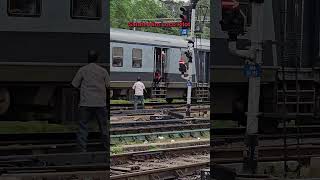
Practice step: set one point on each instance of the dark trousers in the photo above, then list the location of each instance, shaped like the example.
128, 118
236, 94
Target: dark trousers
138, 100
87, 114
156, 81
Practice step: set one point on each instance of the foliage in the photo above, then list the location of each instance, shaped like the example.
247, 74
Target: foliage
203, 10
152, 147
119, 102
124, 11
116, 150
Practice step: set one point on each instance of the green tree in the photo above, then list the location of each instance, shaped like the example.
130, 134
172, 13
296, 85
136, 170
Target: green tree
124, 11
203, 13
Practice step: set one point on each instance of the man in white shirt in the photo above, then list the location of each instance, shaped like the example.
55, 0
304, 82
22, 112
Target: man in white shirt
138, 93
93, 82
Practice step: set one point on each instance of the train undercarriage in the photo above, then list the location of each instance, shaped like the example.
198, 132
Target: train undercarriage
39, 102
31, 92
168, 91
294, 98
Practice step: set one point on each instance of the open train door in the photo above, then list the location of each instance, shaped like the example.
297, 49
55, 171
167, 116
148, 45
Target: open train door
159, 90
161, 59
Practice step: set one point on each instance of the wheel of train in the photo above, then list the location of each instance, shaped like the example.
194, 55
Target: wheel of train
4, 100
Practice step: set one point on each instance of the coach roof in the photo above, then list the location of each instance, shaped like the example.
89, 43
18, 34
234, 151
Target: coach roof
129, 36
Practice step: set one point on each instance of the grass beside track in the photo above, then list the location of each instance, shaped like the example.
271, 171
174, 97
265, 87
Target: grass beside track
121, 148
223, 124
17, 127
7, 127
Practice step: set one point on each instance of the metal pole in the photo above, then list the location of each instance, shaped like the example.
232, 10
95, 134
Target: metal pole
134, 28
190, 63
254, 82
254, 89
284, 91
298, 64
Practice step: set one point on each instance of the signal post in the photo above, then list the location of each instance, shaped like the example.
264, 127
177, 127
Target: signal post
234, 25
190, 51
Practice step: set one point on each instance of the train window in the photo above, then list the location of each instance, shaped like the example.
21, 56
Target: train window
24, 8
136, 58
117, 57
86, 9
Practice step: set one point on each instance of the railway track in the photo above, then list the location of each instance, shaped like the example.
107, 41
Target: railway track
126, 124
48, 145
116, 128
241, 130
193, 159
177, 171
51, 143
122, 169
156, 111
218, 133
149, 163
159, 128
220, 153
143, 131
67, 164
135, 127
152, 137
154, 105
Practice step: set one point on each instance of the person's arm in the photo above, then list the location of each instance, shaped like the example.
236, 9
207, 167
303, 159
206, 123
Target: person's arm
107, 85
76, 82
134, 86
144, 88
107, 80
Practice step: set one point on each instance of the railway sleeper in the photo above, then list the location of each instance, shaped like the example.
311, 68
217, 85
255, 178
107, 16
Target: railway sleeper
269, 122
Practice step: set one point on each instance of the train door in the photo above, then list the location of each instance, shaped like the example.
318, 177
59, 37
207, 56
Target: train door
160, 62
207, 67
201, 67
202, 75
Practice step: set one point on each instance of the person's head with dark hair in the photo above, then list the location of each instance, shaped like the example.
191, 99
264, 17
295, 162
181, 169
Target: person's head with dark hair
92, 56
138, 79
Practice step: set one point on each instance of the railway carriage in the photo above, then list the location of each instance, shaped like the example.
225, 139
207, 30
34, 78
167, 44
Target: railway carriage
43, 43
136, 53
291, 38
